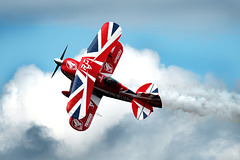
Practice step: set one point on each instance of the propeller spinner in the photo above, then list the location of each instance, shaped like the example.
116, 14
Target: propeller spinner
59, 61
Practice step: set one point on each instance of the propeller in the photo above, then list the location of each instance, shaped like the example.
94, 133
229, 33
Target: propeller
59, 61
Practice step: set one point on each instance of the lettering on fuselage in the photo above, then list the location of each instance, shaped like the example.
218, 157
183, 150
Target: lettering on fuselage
115, 95
118, 96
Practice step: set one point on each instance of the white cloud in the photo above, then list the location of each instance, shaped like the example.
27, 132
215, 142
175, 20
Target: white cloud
32, 97
237, 87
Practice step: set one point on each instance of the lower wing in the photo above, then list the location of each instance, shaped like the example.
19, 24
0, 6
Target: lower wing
85, 122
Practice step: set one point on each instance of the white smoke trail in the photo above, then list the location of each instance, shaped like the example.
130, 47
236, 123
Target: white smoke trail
180, 89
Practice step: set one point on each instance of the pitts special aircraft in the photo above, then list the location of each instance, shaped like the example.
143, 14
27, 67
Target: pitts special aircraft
91, 80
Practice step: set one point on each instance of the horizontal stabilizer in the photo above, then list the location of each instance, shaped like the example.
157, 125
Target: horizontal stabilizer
141, 109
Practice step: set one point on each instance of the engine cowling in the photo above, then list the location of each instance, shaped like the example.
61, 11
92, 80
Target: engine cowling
69, 67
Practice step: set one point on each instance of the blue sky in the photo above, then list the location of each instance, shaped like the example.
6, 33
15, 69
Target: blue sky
201, 49
24, 44
189, 47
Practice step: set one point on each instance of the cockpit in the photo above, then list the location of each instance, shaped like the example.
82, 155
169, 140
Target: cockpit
110, 82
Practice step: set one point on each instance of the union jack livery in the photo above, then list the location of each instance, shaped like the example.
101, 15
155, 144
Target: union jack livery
91, 80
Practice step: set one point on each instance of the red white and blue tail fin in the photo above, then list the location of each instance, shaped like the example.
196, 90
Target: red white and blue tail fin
148, 88
147, 98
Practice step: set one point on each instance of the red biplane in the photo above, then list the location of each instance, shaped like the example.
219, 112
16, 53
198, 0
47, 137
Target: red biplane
91, 80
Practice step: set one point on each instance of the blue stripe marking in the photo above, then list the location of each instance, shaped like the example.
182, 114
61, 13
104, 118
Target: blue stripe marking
76, 84
115, 27
144, 115
76, 113
94, 45
155, 91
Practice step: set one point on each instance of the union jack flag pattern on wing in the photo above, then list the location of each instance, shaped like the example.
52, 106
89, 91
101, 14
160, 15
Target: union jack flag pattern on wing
89, 67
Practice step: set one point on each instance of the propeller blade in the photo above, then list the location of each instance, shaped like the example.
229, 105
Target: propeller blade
55, 70
64, 52
59, 61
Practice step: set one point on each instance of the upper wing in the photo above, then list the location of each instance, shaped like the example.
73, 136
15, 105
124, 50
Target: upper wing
89, 67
